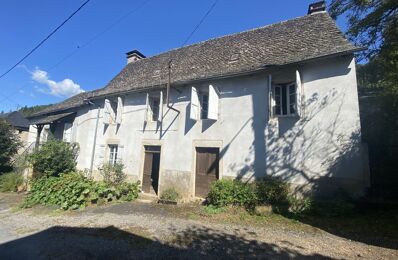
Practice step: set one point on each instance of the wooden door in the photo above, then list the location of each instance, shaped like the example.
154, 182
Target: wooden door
207, 169
146, 179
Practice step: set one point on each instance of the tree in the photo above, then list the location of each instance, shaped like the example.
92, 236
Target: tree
54, 157
371, 23
9, 144
374, 25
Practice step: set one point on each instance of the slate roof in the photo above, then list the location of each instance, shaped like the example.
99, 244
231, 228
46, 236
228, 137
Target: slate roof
50, 119
300, 39
16, 119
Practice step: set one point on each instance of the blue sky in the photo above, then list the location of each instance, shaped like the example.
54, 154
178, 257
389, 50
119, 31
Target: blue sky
47, 77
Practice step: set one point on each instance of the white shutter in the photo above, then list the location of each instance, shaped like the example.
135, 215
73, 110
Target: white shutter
299, 94
107, 112
213, 103
160, 107
146, 108
120, 150
195, 105
119, 113
270, 97
67, 132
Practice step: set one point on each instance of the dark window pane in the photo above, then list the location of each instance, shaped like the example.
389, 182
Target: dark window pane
155, 109
277, 98
204, 106
284, 100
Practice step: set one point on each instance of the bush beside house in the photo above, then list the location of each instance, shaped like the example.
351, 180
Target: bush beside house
56, 181
274, 193
54, 158
74, 190
9, 145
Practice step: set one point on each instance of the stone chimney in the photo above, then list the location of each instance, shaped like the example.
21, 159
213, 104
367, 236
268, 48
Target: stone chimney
134, 55
317, 7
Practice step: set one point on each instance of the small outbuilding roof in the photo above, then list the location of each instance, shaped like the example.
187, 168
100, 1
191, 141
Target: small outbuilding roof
16, 119
292, 41
50, 119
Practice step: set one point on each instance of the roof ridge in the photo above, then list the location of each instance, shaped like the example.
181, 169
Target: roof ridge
229, 35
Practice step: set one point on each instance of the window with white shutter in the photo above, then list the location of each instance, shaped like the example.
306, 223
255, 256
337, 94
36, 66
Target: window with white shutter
286, 99
119, 110
195, 104
204, 103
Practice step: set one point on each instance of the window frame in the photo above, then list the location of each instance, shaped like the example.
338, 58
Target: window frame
288, 102
113, 154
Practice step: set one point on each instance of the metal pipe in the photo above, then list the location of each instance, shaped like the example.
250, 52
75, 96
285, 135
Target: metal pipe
95, 138
168, 89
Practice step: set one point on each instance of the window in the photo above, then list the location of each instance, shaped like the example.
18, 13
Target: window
285, 100
204, 105
112, 154
155, 103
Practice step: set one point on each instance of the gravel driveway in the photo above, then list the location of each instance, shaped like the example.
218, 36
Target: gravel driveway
145, 230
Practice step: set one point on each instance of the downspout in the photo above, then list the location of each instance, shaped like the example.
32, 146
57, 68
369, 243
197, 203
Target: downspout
95, 138
168, 88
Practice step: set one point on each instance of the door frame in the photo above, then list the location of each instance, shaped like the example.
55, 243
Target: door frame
206, 144
142, 161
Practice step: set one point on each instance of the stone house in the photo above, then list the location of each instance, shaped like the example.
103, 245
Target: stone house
279, 100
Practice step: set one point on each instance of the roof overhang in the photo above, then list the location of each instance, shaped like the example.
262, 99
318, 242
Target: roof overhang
50, 119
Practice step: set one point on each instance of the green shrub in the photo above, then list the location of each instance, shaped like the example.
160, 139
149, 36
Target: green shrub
272, 191
10, 181
113, 173
73, 190
231, 192
299, 206
9, 145
170, 194
54, 158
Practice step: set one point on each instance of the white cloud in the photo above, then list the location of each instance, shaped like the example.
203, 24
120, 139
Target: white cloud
64, 88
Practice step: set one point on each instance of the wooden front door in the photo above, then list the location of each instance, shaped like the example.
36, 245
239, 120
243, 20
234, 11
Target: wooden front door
207, 169
150, 180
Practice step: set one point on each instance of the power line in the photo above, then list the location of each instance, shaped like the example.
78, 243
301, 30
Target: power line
200, 22
44, 40
94, 38
98, 35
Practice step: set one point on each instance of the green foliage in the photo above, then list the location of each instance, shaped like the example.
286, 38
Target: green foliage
272, 191
210, 209
9, 145
370, 22
73, 191
54, 158
231, 192
113, 173
28, 111
10, 181
170, 194
300, 206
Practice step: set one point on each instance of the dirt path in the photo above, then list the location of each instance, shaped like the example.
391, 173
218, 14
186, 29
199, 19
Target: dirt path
142, 230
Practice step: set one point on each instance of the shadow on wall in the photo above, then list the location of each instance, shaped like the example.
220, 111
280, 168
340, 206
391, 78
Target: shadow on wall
113, 243
315, 150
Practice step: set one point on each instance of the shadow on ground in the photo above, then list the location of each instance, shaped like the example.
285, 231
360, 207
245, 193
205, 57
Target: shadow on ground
369, 224
113, 243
